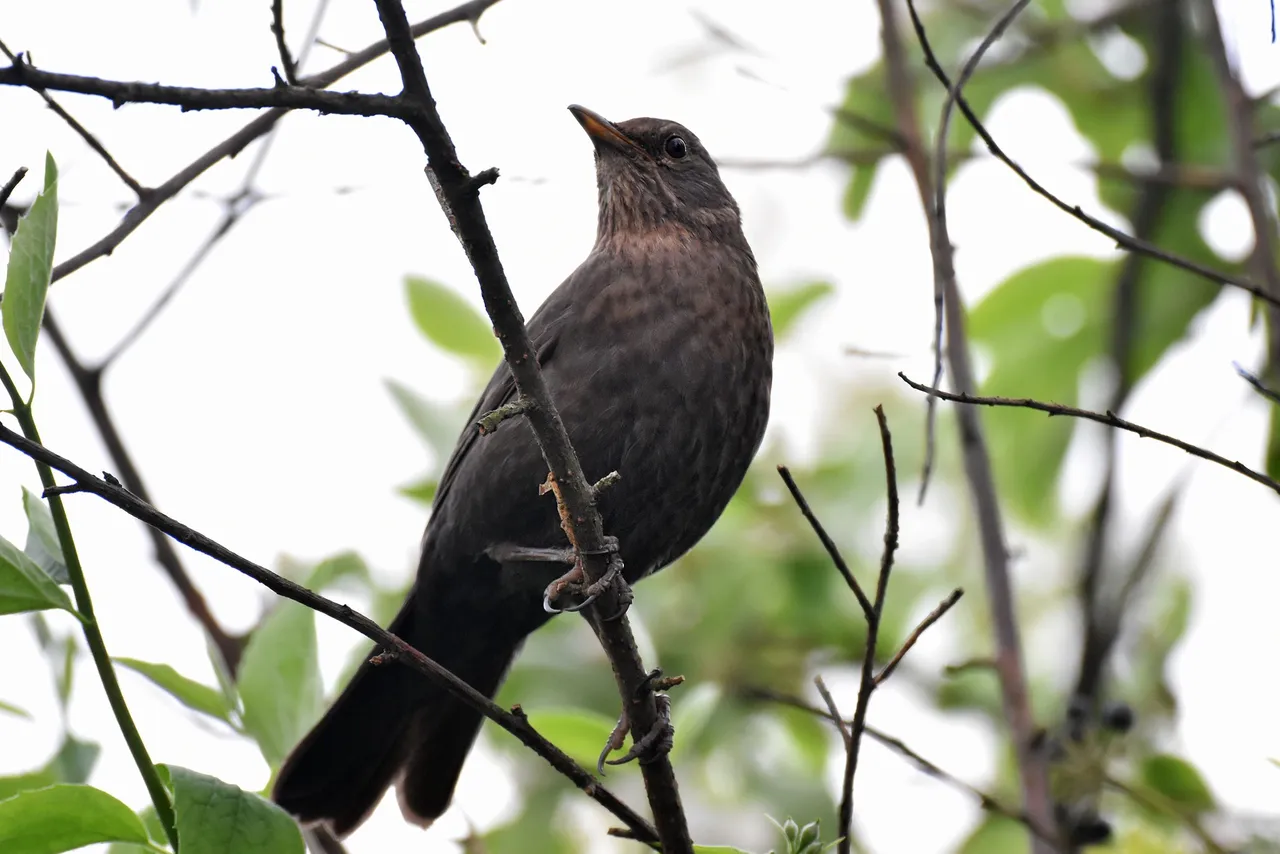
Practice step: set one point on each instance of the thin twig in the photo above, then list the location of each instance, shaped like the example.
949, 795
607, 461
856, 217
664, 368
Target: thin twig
932, 617
84, 133
1123, 240
456, 192
1250, 179
1259, 386
988, 802
1032, 768
234, 144
9, 186
867, 683
516, 724
831, 707
277, 29
827, 543
1110, 419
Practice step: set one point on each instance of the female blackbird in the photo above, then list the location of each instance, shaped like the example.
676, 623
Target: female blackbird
658, 351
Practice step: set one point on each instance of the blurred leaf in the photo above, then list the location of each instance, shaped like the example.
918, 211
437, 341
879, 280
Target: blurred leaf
214, 817
24, 586
996, 835
535, 828
1041, 325
189, 692
1177, 780
422, 490
65, 817
437, 425
279, 680
65, 675
341, 566
74, 761
1273, 443
449, 322
30, 270
786, 307
858, 191
14, 710
718, 849
578, 732
42, 538
692, 712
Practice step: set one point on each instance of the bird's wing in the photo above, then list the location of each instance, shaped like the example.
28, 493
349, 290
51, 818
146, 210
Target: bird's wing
544, 333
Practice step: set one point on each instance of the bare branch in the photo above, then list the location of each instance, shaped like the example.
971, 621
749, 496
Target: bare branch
513, 721
1108, 418
234, 144
12, 184
289, 68
976, 457
832, 550
455, 190
932, 617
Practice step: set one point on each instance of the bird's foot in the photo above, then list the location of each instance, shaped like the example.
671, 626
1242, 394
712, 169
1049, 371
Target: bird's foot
573, 583
654, 744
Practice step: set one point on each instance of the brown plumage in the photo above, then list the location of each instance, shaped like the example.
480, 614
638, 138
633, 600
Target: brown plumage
658, 351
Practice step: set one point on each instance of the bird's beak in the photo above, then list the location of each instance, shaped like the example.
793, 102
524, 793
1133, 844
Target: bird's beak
603, 133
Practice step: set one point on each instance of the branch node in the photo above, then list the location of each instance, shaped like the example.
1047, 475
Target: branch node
488, 423
481, 179
605, 482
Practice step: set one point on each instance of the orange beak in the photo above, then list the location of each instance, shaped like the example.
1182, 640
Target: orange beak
601, 130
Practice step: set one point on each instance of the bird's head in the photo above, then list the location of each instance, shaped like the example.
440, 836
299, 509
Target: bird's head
655, 176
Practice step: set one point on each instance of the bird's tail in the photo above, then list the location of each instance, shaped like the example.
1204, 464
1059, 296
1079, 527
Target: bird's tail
392, 725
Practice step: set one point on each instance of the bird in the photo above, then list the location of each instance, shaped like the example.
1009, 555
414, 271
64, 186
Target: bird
658, 352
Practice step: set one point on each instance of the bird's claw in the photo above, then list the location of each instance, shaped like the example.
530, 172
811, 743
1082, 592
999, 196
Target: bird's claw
572, 582
650, 747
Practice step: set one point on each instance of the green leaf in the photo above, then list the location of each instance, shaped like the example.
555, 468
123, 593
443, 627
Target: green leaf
422, 490
189, 692
331, 570
74, 761
24, 586
693, 714
451, 323
43, 546
14, 710
30, 270
1178, 780
10, 786
578, 732
437, 425
718, 849
858, 191
786, 307
996, 835
214, 817
65, 817
279, 680
1273, 443
151, 821
1041, 326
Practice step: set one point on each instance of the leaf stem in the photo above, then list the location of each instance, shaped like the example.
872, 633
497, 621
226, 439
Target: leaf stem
89, 624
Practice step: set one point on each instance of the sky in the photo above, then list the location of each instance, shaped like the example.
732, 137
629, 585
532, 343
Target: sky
256, 407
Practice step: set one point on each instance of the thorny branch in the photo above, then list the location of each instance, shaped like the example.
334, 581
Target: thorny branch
1032, 768
1110, 419
456, 190
513, 721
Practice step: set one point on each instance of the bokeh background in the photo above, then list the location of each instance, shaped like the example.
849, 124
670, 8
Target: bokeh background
299, 392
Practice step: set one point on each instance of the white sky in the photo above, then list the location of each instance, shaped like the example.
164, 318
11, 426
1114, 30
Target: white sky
244, 403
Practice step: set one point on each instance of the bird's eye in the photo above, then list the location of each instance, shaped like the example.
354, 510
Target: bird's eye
675, 147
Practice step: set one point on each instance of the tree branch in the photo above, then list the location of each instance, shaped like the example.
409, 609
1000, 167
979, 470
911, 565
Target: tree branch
976, 457
456, 191
1108, 418
513, 722
235, 143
